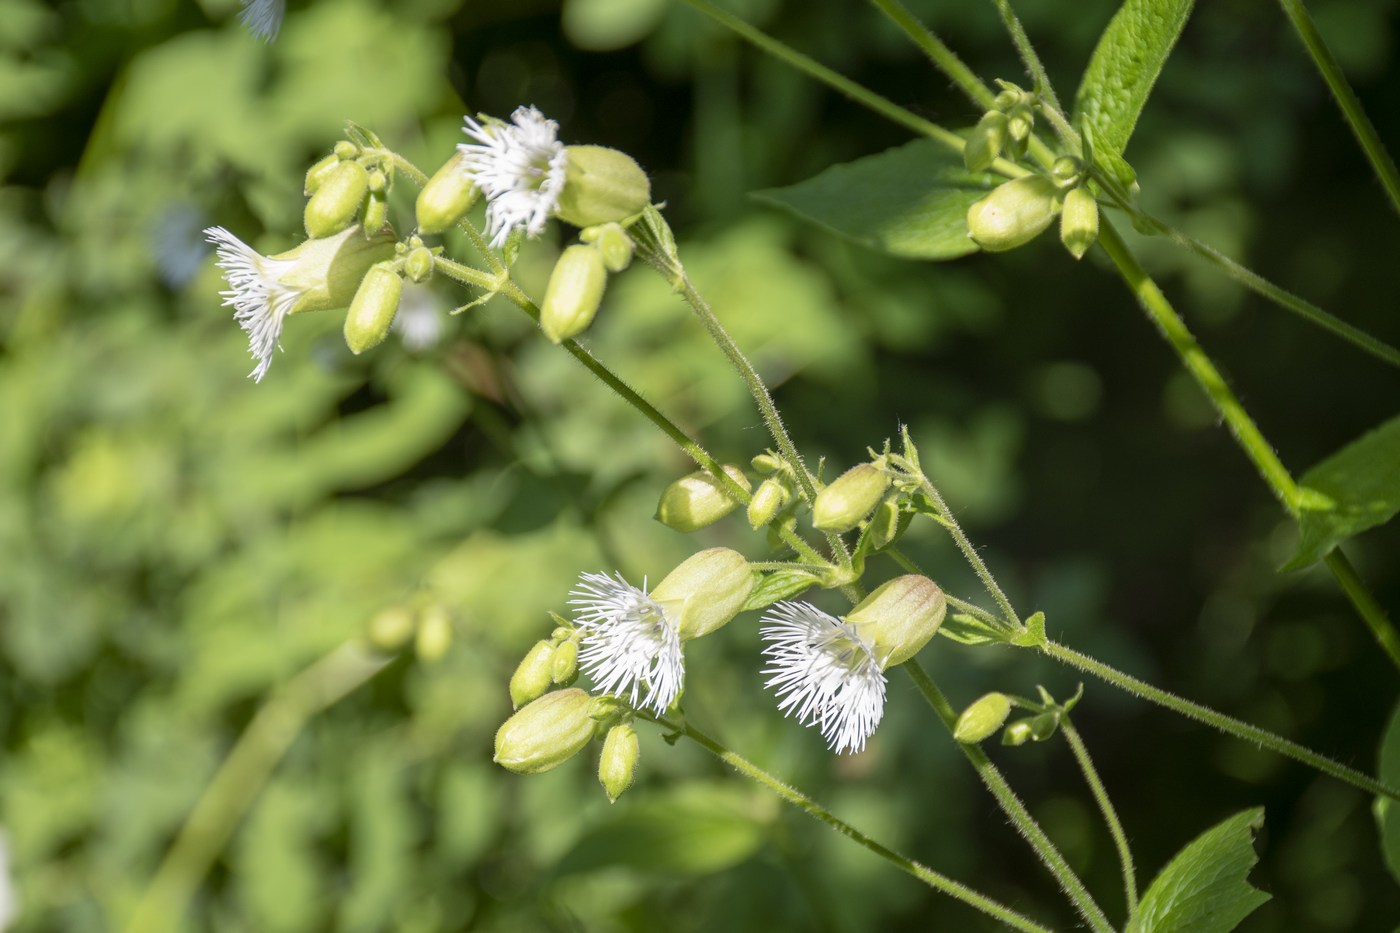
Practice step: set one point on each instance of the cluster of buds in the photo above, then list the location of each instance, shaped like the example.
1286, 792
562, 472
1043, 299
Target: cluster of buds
986, 715
1005, 129
1018, 211
428, 626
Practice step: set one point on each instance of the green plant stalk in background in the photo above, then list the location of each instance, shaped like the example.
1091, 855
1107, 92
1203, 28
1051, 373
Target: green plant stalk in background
1106, 809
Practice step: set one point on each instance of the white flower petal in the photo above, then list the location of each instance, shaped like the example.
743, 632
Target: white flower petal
627, 642
263, 17
260, 300
824, 673
519, 167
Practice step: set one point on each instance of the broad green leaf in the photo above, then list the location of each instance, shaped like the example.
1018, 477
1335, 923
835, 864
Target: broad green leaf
1124, 66
696, 829
910, 201
1356, 488
1204, 888
781, 584
1387, 810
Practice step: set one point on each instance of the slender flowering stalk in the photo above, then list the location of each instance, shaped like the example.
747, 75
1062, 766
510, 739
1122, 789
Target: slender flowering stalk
257, 292
519, 166
263, 17
825, 672
628, 642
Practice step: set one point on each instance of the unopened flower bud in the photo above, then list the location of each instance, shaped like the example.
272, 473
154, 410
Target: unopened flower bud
574, 293
697, 500
705, 591
1018, 733
418, 267
617, 766
318, 172
884, 525
900, 617
1067, 172
849, 498
372, 312
434, 634
376, 212
771, 496
337, 200
1015, 213
1079, 222
613, 242
391, 628
563, 670
345, 150
446, 197
1044, 725
601, 186
767, 463
377, 180
984, 717
1020, 120
533, 675
985, 143
546, 732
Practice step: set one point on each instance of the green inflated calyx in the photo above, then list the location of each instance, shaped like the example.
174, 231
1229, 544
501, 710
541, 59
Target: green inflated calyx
705, 591
327, 272
372, 311
546, 732
1015, 213
697, 500
617, 765
337, 200
447, 196
900, 617
848, 499
601, 186
534, 674
574, 293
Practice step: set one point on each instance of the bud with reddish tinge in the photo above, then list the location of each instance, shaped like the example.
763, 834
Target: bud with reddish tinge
697, 500
546, 732
849, 498
900, 617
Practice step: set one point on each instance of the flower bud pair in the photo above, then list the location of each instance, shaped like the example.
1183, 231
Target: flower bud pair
697, 500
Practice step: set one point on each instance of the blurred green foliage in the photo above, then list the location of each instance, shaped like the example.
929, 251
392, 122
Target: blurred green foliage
176, 541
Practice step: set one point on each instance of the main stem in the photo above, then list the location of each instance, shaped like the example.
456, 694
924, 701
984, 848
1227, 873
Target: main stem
1219, 721
241, 777
1013, 807
1110, 815
809, 806
1246, 433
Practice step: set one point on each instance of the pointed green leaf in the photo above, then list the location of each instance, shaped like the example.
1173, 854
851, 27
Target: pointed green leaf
1387, 810
1356, 488
1124, 66
780, 584
910, 201
1204, 889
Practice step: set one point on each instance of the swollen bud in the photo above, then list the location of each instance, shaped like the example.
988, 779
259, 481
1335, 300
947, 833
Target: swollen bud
434, 634
563, 669
705, 591
1015, 213
771, 496
337, 200
601, 186
1018, 733
391, 628
845, 503
1079, 222
376, 212
546, 733
372, 312
613, 242
446, 197
697, 500
318, 172
418, 267
984, 717
617, 766
533, 675
986, 142
900, 617
574, 293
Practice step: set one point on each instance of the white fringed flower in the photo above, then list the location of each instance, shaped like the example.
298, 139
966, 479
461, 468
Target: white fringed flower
257, 291
519, 167
825, 673
628, 642
263, 17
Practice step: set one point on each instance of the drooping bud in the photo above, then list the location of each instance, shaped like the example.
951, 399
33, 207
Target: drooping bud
434, 634
327, 272
563, 669
985, 143
391, 628
574, 293
317, 173
533, 675
697, 500
418, 267
601, 186
981, 719
900, 617
771, 496
372, 312
446, 197
617, 766
546, 732
1079, 222
849, 498
1015, 213
705, 591
613, 242
337, 200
